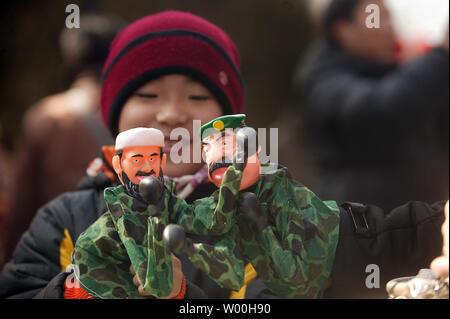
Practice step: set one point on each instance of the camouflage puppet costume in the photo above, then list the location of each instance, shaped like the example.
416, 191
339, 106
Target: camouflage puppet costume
293, 255
293, 252
128, 234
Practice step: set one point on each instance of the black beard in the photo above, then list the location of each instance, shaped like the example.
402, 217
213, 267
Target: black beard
132, 189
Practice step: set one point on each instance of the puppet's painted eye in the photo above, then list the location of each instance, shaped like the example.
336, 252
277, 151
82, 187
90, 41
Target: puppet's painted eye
137, 161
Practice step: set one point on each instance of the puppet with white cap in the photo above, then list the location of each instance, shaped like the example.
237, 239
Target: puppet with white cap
139, 155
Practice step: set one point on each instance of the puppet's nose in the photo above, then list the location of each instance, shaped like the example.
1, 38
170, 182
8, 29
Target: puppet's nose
147, 167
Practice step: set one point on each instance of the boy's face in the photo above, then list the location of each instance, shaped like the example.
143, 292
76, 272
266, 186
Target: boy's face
169, 102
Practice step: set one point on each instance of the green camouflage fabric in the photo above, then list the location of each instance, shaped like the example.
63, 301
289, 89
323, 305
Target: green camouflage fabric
294, 255
126, 234
222, 262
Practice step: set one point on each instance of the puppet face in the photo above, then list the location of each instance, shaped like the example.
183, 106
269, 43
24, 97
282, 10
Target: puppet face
138, 162
220, 149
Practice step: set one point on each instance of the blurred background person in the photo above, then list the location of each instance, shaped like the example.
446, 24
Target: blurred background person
376, 131
63, 132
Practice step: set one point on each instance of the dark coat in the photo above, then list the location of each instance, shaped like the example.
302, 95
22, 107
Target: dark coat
376, 134
377, 246
399, 243
45, 154
37, 259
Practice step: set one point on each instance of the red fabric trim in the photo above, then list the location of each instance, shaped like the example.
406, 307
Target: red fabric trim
76, 292
182, 290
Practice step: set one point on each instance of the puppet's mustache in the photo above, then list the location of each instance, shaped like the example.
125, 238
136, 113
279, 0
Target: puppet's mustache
140, 173
222, 162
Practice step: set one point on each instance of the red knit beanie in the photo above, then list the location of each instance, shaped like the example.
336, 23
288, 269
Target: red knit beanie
166, 43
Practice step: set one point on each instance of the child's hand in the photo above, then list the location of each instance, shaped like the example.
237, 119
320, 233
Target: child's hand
177, 279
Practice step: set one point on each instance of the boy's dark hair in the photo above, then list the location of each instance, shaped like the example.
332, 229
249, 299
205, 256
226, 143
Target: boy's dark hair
337, 10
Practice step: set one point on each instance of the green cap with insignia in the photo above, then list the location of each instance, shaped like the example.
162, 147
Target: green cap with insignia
223, 122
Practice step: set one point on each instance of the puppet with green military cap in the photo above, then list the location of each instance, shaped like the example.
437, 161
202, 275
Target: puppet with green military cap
281, 227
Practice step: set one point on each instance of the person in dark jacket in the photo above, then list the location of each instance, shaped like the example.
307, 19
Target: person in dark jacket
376, 132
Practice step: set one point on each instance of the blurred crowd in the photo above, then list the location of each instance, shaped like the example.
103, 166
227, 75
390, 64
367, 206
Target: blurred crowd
371, 127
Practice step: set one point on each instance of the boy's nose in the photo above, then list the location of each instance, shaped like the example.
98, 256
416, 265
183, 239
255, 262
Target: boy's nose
173, 114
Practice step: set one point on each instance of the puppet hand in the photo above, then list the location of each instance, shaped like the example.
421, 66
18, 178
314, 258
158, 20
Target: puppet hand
151, 190
439, 266
239, 161
246, 145
249, 206
175, 238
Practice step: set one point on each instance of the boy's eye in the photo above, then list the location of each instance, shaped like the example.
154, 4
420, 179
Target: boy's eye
199, 97
147, 95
